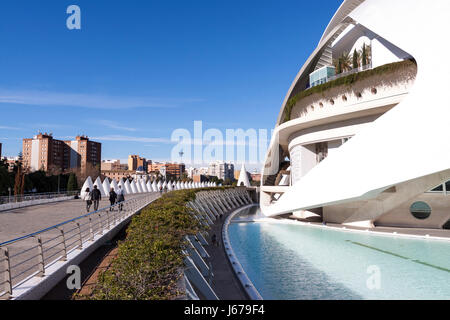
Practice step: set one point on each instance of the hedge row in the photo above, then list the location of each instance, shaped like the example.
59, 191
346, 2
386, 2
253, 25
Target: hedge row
149, 260
346, 81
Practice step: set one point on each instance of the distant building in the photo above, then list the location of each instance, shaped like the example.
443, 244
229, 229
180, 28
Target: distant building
11, 162
113, 165
135, 161
171, 171
200, 178
256, 177
221, 170
43, 152
117, 174
191, 172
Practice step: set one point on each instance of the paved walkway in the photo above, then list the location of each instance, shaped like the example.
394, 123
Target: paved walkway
225, 283
24, 254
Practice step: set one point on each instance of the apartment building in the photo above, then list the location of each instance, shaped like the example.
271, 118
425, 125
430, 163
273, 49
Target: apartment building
221, 170
135, 162
43, 152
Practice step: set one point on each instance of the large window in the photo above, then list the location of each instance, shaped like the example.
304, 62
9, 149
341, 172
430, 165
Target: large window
420, 210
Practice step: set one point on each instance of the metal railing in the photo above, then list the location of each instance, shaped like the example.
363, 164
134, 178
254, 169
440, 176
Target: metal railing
30, 255
36, 196
356, 70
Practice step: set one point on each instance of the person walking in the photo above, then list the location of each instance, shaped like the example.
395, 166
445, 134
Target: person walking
96, 196
87, 197
160, 190
214, 240
112, 199
120, 198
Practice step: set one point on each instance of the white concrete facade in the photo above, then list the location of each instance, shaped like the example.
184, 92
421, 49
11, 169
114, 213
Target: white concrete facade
364, 155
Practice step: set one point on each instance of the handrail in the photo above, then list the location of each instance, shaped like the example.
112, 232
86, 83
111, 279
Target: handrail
35, 196
16, 265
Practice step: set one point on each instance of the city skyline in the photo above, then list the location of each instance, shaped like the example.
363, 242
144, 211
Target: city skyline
105, 82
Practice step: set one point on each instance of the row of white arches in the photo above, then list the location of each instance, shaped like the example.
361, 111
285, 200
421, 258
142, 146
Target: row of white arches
140, 186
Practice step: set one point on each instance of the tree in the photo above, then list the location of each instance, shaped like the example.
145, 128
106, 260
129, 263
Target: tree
345, 61
355, 59
364, 55
72, 184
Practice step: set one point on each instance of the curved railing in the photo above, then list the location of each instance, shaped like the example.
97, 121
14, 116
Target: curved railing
29, 256
247, 284
36, 196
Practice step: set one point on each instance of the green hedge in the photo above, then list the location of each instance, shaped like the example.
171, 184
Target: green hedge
149, 260
346, 81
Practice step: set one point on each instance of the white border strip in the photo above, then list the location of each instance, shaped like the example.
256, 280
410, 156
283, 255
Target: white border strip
348, 229
248, 286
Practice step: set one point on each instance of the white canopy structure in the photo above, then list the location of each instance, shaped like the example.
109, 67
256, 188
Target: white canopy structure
164, 185
114, 185
154, 186
122, 184
138, 186
159, 185
133, 187
106, 186
243, 178
143, 186
128, 187
99, 185
169, 186
149, 186
87, 184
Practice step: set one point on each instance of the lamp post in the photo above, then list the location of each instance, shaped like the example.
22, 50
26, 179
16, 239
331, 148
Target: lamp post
9, 196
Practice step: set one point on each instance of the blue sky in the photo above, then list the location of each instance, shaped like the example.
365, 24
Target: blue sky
137, 70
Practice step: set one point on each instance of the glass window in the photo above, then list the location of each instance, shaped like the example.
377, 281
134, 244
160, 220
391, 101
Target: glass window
439, 188
420, 210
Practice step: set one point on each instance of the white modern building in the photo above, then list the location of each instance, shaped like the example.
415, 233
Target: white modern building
361, 138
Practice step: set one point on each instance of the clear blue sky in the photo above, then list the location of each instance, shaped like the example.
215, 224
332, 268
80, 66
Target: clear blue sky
138, 69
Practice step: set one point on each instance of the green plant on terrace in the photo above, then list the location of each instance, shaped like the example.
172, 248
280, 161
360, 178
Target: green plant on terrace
347, 81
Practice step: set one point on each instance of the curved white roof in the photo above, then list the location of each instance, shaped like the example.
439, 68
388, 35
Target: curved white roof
406, 142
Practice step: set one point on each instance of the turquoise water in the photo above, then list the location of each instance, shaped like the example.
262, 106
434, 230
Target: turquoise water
295, 262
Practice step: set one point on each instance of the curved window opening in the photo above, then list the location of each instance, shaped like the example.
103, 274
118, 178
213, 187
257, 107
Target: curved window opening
420, 210
374, 91
344, 98
321, 105
446, 225
332, 102
359, 95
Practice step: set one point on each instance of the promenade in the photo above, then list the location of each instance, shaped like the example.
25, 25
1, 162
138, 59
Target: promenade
23, 221
25, 255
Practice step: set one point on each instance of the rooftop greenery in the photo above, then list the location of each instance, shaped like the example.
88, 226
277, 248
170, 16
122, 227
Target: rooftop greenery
150, 258
347, 81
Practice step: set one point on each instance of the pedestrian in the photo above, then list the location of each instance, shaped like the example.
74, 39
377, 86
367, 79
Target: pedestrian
214, 240
87, 197
120, 198
96, 196
160, 190
112, 199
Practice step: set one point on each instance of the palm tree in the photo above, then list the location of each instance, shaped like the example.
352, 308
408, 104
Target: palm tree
346, 61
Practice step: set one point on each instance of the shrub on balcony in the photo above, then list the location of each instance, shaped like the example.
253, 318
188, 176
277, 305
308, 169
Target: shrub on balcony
346, 81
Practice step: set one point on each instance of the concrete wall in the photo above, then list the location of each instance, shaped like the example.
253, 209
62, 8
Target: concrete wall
303, 159
401, 216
